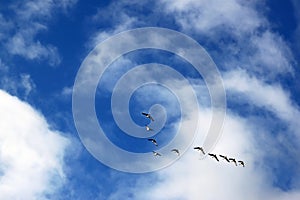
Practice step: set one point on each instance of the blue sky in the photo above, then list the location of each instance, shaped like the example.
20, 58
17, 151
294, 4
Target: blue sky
255, 46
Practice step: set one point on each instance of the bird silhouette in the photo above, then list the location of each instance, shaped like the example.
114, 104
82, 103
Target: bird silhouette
233, 160
214, 156
153, 141
148, 128
156, 153
148, 116
241, 163
200, 149
176, 151
225, 158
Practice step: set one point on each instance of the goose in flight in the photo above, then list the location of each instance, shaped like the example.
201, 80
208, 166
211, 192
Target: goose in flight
148, 128
200, 149
233, 160
241, 163
156, 153
214, 156
153, 141
176, 151
148, 116
225, 158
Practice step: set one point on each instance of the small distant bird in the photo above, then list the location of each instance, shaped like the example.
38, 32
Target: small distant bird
241, 163
148, 116
214, 156
156, 153
153, 141
148, 128
225, 158
199, 149
233, 160
176, 151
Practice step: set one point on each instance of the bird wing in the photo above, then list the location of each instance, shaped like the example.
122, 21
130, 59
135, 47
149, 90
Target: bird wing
151, 118
144, 114
175, 150
202, 150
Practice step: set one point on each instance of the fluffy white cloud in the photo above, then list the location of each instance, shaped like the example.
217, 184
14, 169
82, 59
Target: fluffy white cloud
31, 153
252, 46
191, 178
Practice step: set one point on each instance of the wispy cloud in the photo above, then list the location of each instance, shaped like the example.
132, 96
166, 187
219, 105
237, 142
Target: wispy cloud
21, 85
19, 30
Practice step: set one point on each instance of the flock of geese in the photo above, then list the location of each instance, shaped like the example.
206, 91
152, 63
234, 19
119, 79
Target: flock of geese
200, 149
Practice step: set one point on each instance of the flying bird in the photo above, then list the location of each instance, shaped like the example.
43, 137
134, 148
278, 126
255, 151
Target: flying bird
153, 141
214, 156
176, 151
241, 163
199, 149
156, 153
233, 160
148, 128
148, 116
225, 158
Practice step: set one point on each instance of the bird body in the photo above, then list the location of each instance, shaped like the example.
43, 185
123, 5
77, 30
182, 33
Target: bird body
214, 156
153, 141
200, 149
148, 128
233, 160
225, 158
148, 116
241, 163
156, 153
176, 151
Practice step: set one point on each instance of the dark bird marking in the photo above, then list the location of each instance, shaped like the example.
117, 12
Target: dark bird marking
214, 156
148, 116
225, 158
200, 149
233, 160
176, 151
153, 141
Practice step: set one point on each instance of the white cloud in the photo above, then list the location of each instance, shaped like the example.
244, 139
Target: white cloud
271, 53
23, 44
253, 46
31, 153
271, 97
125, 24
67, 91
190, 178
21, 28
27, 83
21, 85
204, 16
257, 50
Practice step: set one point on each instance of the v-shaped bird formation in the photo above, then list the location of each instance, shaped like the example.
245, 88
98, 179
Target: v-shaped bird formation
197, 148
